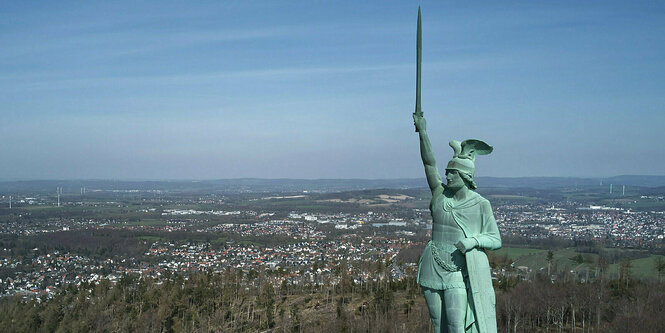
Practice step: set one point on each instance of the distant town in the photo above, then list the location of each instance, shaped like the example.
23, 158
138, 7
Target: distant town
49, 241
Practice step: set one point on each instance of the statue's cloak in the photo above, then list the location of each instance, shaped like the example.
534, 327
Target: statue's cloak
474, 216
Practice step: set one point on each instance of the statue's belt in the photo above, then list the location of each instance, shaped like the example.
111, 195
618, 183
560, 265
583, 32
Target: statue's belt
442, 253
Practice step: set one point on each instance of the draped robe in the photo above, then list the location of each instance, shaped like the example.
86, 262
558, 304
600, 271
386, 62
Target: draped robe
474, 217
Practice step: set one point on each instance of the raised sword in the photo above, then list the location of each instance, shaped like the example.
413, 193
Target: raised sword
419, 56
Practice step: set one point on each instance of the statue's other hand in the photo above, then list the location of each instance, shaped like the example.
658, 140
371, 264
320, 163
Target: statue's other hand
466, 244
419, 122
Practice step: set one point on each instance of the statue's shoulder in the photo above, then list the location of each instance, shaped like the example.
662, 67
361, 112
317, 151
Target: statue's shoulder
484, 204
477, 197
481, 201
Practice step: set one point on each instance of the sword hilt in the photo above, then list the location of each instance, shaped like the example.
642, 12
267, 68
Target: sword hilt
417, 114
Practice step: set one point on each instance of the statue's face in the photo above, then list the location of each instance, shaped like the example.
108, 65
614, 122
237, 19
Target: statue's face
454, 180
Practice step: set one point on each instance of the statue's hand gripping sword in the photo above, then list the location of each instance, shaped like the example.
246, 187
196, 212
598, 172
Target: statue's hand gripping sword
419, 55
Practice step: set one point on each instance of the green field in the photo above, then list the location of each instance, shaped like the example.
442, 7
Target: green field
536, 260
642, 268
515, 253
150, 238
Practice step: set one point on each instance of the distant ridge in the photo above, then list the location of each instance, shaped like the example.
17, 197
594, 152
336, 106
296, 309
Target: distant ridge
554, 182
314, 185
211, 186
636, 180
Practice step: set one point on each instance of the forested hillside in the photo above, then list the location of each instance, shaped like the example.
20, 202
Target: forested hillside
233, 301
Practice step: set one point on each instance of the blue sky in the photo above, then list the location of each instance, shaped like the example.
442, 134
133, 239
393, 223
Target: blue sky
318, 89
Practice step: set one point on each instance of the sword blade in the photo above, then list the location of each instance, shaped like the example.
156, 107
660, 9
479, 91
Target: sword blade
419, 55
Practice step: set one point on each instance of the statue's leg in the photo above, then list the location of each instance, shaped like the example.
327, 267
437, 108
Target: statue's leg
455, 303
434, 299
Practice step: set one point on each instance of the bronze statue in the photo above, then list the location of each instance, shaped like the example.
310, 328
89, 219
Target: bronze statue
453, 271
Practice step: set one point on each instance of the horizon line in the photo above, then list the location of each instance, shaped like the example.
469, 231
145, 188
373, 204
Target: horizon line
288, 178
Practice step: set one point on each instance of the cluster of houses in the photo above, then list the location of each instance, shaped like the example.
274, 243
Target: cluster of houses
42, 274
295, 229
302, 262
304, 259
622, 227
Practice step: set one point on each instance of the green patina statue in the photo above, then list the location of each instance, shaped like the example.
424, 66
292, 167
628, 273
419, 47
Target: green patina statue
453, 271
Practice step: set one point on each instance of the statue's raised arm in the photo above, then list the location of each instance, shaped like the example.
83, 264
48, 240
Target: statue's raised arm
431, 171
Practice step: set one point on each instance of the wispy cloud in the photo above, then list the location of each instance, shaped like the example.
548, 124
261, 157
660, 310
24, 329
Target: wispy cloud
119, 43
36, 82
55, 80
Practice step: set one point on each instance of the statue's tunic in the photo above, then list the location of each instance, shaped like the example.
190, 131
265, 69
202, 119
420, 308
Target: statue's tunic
443, 267
441, 264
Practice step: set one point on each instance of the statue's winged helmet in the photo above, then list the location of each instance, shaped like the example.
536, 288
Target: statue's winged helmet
464, 157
